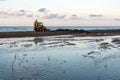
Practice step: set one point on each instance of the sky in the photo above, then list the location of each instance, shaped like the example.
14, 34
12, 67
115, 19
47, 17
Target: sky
60, 12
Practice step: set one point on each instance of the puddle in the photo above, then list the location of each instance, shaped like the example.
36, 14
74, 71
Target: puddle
60, 58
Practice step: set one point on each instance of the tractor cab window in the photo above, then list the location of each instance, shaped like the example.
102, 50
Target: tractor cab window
40, 24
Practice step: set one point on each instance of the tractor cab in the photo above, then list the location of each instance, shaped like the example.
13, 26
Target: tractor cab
40, 23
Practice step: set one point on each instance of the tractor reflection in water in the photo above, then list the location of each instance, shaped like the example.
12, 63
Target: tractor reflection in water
38, 40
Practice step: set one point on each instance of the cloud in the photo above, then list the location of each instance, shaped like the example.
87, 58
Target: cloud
22, 10
54, 16
29, 15
96, 15
5, 12
11, 13
43, 10
74, 17
62, 16
51, 16
117, 19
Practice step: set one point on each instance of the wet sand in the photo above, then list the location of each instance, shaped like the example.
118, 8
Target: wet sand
60, 58
61, 32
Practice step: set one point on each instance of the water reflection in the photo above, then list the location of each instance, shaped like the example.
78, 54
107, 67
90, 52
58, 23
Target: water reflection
38, 40
42, 42
60, 58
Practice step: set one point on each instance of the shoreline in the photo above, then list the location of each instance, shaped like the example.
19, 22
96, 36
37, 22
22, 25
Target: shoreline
108, 32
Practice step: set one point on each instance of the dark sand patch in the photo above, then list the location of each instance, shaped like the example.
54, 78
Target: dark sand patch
61, 32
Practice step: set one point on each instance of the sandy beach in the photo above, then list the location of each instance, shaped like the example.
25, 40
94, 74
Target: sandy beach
61, 32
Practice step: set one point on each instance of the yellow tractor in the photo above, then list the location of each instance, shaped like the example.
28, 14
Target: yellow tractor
38, 26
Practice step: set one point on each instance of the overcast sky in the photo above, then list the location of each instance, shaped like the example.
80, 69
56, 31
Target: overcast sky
60, 12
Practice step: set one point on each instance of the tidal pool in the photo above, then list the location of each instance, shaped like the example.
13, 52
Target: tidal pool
60, 58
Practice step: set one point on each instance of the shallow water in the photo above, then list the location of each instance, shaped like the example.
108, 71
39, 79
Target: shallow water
30, 28
60, 58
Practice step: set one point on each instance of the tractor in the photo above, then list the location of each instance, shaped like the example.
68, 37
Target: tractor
38, 26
